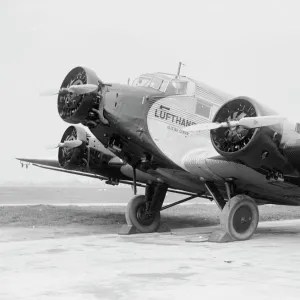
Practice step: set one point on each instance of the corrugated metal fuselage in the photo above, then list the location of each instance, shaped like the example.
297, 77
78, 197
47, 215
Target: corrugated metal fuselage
148, 124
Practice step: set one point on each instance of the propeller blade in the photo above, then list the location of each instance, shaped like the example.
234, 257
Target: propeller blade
250, 122
79, 89
50, 92
255, 122
70, 144
82, 88
66, 144
204, 126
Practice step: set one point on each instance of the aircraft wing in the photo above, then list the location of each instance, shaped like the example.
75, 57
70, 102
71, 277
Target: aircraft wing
45, 162
51, 164
247, 179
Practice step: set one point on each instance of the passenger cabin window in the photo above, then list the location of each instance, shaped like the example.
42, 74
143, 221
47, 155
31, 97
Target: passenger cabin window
203, 109
177, 87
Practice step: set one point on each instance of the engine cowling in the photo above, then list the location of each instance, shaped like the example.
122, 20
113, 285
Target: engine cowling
258, 147
91, 156
74, 108
292, 151
74, 158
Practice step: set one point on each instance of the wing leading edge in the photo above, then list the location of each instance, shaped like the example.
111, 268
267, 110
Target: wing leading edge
54, 166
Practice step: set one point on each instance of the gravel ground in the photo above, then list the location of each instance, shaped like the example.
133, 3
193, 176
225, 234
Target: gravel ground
180, 216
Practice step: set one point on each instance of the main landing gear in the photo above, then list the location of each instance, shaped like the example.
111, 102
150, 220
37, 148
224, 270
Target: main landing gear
239, 215
143, 212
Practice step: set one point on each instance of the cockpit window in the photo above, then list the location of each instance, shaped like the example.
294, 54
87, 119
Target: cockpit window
164, 85
152, 82
156, 83
170, 87
142, 81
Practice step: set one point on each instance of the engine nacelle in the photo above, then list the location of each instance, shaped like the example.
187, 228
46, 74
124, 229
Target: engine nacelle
91, 156
74, 108
75, 158
258, 147
291, 150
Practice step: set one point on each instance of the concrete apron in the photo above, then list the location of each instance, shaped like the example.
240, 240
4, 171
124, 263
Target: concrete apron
150, 266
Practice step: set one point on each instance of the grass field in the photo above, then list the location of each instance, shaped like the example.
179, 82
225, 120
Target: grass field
192, 215
45, 214
59, 194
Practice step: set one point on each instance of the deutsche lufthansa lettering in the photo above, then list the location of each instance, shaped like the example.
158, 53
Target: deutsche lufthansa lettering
164, 115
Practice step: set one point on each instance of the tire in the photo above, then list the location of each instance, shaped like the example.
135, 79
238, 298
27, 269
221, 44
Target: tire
240, 217
128, 221
133, 215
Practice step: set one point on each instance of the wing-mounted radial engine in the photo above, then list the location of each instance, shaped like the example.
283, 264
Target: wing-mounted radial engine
80, 151
250, 133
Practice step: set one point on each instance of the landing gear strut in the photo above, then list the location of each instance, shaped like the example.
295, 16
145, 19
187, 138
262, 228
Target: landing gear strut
239, 215
143, 212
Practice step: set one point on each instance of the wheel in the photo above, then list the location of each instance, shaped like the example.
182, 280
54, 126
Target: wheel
240, 217
137, 216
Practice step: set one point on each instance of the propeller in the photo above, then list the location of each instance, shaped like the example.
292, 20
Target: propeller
250, 122
79, 89
67, 144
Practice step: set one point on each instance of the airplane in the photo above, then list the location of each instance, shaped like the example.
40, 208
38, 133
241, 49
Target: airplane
185, 134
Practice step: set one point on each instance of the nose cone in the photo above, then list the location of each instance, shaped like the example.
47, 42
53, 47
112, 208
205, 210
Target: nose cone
74, 108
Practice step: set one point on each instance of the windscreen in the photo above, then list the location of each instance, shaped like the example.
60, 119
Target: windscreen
170, 87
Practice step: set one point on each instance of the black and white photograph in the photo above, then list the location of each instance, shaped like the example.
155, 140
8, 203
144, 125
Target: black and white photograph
150, 150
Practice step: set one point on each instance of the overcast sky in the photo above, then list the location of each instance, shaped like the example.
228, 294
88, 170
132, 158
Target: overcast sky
247, 48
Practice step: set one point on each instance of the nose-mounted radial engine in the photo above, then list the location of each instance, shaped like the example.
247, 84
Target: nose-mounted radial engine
80, 98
